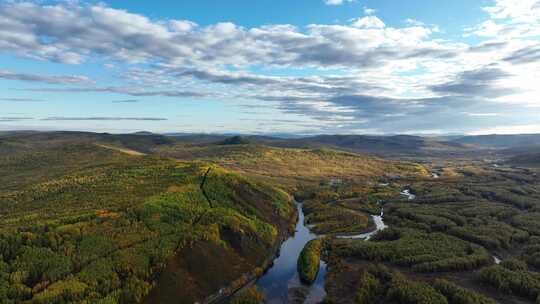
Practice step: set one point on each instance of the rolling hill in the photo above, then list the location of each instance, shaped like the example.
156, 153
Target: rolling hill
88, 224
500, 141
527, 159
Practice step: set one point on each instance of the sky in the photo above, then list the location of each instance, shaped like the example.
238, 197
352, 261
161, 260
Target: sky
271, 66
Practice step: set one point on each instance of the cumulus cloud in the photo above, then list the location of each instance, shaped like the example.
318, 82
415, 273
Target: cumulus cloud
360, 75
511, 19
73, 32
369, 22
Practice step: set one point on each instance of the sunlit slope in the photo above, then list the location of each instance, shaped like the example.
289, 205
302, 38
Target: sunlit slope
288, 166
85, 223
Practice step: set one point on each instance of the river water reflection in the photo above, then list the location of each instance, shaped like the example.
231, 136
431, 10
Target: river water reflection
282, 277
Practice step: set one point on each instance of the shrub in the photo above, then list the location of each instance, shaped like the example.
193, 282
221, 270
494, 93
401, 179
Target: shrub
458, 295
409, 292
369, 289
42, 264
523, 283
61, 292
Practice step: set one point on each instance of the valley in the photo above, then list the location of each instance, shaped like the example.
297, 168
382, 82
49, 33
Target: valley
101, 218
269, 152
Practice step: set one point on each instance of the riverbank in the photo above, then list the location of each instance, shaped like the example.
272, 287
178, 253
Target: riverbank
378, 223
278, 278
251, 277
276, 281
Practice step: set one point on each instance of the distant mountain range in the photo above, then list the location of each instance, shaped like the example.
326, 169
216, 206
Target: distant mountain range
394, 145
359, 141
501, 141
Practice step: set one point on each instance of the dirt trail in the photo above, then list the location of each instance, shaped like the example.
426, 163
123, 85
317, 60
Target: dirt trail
123, 150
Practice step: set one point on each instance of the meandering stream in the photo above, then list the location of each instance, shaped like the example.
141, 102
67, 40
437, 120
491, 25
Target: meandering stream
281, 282
379, 225
407, 192
283, 276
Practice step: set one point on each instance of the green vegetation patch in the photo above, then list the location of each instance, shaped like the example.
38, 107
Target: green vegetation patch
309, 260
480, 223
459, 295
380, 284
88, 224
423, 252
333, 219
519, 282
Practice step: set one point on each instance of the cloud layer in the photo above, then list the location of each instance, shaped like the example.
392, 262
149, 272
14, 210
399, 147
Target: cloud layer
43, 78
363, 74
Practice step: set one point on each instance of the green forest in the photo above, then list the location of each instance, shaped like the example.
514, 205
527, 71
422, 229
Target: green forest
137, 219
82, 224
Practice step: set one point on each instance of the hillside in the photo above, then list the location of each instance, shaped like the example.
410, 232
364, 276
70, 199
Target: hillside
290, 167
30, 141
399, 145
79, 222
383, 146
269, 161
100, 218
500, 141
530, 159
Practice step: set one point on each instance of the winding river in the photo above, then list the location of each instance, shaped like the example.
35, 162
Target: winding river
281, 283
379, 225
282, 278
407, 193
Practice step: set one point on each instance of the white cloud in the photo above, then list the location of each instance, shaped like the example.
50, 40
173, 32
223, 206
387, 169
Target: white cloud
73, 33
74, 79
369, 22
384, 74
511, 19
369, 11
515, 129
482, 114
182, 25
336, 2
414, 22
520, 11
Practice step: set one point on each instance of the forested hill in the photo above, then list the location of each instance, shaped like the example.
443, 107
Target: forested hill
81, 223
501, 141
530, 158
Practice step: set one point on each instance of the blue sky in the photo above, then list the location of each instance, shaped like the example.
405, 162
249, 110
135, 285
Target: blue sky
303, 66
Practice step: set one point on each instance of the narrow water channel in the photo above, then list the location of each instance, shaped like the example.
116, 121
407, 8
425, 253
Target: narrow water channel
407, 192
282, 278
281, 283
379, 225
